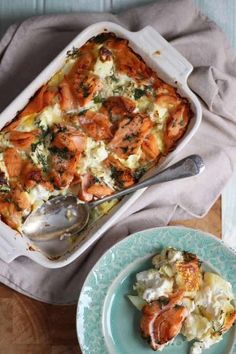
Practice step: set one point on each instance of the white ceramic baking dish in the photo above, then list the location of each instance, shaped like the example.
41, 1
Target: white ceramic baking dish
172, 67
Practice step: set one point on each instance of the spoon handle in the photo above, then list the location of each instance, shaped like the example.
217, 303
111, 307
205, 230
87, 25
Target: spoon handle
187, 167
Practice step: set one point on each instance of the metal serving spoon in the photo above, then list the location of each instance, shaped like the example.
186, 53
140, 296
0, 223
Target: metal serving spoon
67, 215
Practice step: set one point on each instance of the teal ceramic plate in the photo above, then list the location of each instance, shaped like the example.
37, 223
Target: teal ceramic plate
108, 323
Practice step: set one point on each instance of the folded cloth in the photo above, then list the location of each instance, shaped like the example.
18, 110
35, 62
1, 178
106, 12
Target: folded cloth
27, 48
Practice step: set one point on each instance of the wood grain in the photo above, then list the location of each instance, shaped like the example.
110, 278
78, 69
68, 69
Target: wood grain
210, 223
31, 327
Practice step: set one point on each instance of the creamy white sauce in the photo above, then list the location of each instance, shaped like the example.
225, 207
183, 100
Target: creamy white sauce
27, 123
198, 347
49, 116
163, 288
132, 161
103, 69
195, 326
58, 77
4, 141
189, 304
153, 285
212, 301
117, 85
3, 167
162, 112
95, 154
38, 193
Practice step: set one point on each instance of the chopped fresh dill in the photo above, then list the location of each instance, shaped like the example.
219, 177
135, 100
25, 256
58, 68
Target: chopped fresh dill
125, 149
42, 159
118, 90
101, 38
82, 112
116, 175
98, 99
138, 93
63, 153
139, 172
73, 53
130, 137
85, 90
4, 188
45, 132
114, 78
34, 146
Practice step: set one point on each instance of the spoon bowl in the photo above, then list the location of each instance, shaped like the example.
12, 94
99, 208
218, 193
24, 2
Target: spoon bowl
65, 216
59, 217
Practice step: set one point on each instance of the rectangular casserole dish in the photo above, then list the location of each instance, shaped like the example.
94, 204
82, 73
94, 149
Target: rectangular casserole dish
172, 68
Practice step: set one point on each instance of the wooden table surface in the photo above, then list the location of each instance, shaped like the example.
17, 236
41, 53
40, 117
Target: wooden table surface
31, 327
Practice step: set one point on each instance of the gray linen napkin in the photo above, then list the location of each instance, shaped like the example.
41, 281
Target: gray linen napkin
27, 48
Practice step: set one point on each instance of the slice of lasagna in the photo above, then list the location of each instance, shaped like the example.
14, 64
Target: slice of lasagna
178, 296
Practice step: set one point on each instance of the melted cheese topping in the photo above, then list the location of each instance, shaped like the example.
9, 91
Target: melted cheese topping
28, 123
49, 116
95, 153
103, 69
4, 141
59, 76
40, 155
150, 285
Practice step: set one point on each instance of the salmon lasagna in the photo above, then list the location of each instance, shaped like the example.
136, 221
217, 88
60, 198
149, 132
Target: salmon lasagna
94, 128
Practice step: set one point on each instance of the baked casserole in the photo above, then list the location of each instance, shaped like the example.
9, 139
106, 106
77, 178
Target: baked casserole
94, 128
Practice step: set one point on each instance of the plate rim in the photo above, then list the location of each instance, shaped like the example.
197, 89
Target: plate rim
204, 233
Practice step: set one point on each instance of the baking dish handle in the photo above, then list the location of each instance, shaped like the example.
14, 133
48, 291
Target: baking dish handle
166, 56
